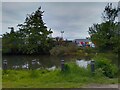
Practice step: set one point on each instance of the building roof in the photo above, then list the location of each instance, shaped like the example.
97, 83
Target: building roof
82, 40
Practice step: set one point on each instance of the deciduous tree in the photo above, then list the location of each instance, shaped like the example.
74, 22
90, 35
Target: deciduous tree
105, 35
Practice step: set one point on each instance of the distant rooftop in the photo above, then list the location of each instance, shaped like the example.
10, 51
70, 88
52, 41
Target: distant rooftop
82, 40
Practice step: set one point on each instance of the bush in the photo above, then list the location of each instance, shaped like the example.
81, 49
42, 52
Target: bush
110, 70
72, 69
58, 51
34, 74
63, 50
90, 50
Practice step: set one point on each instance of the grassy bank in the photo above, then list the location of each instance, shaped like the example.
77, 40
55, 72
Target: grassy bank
72, 77
0, 78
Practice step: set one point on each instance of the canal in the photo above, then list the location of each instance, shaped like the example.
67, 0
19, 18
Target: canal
45, 61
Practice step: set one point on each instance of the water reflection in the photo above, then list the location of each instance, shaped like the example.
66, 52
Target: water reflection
39, 62
82, 63
16, 62
25, 66
16, 67
26, 62
51, 68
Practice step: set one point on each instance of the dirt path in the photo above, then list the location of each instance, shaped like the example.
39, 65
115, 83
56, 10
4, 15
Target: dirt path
102, 86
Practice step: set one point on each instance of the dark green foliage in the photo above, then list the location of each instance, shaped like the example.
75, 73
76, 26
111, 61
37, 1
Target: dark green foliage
10, 42
90, 50
31, 38
106, 35
107, 68
110, 13
34, 74
64, 50
66, 68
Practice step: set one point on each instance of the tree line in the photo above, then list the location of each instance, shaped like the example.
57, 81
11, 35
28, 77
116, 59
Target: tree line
33, 36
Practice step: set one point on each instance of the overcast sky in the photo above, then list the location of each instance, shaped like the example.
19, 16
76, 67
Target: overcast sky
74, 18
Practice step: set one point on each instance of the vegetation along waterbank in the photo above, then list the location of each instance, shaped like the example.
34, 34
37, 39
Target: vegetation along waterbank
72, 77
33, 38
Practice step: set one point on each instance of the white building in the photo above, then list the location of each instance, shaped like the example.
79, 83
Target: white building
84, 43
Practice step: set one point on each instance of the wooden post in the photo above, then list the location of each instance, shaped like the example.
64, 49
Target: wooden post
62, 65
33, 64
92, 66
5, 64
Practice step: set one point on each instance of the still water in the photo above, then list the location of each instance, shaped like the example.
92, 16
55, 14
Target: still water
49, 62
16, 61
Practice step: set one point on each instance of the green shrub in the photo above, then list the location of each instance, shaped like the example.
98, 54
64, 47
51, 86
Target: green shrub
110, 70
58, 51
63, 50
99, 72
34, 74
72, 69
90, 50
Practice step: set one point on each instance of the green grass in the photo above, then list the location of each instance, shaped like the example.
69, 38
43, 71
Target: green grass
72, 77
0, 78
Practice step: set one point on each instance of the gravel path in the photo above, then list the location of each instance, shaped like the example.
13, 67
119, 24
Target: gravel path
102, 86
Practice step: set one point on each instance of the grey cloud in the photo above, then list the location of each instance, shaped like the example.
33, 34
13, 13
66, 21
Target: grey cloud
73, 18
